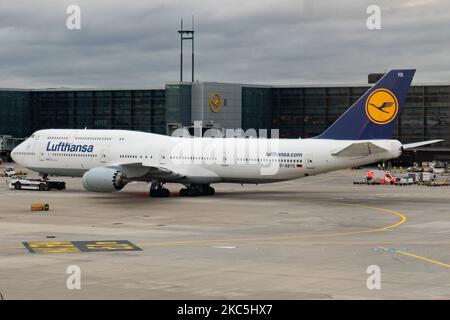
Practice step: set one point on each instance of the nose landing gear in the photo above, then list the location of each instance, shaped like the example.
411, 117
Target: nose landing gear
195, 190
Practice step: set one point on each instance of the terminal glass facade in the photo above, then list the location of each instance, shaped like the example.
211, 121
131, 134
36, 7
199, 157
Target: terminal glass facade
426, 115
295, 111
306, 112
178, 104
256, 108
23, 112
15, 113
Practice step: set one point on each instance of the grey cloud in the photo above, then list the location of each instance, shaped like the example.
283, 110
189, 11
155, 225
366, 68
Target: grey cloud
135, 43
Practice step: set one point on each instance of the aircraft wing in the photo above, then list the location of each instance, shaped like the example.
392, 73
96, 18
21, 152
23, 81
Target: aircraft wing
164, 173
145, 171
139, 170
419, 144
359, 149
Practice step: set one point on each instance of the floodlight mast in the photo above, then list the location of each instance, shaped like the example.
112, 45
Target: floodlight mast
186, 35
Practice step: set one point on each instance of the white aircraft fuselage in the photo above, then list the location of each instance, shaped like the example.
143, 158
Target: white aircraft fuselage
66, 152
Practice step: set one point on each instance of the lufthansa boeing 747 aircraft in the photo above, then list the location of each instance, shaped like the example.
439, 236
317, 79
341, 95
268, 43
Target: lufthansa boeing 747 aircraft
109, 159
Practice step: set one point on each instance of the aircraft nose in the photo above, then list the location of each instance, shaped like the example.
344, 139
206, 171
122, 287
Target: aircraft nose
15, 153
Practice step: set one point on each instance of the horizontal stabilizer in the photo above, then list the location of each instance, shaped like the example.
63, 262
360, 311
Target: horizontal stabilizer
359, 149
419, 144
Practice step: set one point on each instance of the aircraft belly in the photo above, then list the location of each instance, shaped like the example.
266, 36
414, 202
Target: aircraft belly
60, 171
257, 174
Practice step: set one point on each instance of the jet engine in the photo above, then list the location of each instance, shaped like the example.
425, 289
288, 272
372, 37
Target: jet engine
103, 179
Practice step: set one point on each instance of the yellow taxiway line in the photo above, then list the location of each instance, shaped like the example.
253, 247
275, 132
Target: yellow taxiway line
276, 238
423, 258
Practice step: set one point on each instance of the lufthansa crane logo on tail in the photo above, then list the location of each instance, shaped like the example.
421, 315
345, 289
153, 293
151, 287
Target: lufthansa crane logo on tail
381, 106
215, 102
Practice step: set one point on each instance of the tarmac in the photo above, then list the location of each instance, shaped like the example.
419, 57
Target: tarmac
315, 238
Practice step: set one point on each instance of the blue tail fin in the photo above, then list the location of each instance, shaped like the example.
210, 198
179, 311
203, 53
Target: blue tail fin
375, 114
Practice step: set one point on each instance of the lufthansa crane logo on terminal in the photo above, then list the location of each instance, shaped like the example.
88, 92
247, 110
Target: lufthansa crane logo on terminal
381, 106
215, 102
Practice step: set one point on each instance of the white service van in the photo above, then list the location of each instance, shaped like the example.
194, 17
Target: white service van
23, 183
9, 172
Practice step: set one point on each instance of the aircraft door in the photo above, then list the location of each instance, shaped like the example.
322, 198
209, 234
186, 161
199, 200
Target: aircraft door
41, 148
224, 159
105, 151
309, 161
162, 157
103, 155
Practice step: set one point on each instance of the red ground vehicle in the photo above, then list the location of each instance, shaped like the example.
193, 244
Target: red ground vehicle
388, 179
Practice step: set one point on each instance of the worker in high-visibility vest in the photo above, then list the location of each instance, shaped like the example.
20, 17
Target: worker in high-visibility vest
370, 176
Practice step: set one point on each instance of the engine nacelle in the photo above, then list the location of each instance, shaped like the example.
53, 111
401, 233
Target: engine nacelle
102, 179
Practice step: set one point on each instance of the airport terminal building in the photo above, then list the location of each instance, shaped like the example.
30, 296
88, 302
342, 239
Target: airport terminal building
297, 111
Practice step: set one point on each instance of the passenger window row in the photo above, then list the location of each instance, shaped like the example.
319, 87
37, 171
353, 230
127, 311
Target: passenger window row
81, 138
26, 153
126, 156
193, 158
86, 155
238, 159
92, 138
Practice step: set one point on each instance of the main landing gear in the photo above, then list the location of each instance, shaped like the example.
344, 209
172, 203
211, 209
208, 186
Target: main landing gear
157, 190
44, 176
195, 190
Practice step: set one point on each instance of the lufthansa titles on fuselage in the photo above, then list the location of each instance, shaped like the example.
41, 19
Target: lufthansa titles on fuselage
284, 154
68, 147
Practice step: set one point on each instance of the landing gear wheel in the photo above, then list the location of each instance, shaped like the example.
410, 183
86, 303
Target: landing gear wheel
42, 187
157, 190
209, 191
159, 193
183, 192
197, 190
192, 192
18, 186
189, 192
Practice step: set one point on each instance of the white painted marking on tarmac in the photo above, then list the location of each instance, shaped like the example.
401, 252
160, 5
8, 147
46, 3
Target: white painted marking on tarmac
224, 247
355, 198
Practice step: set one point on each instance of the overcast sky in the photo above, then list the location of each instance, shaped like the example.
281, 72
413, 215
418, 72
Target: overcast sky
285, 42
